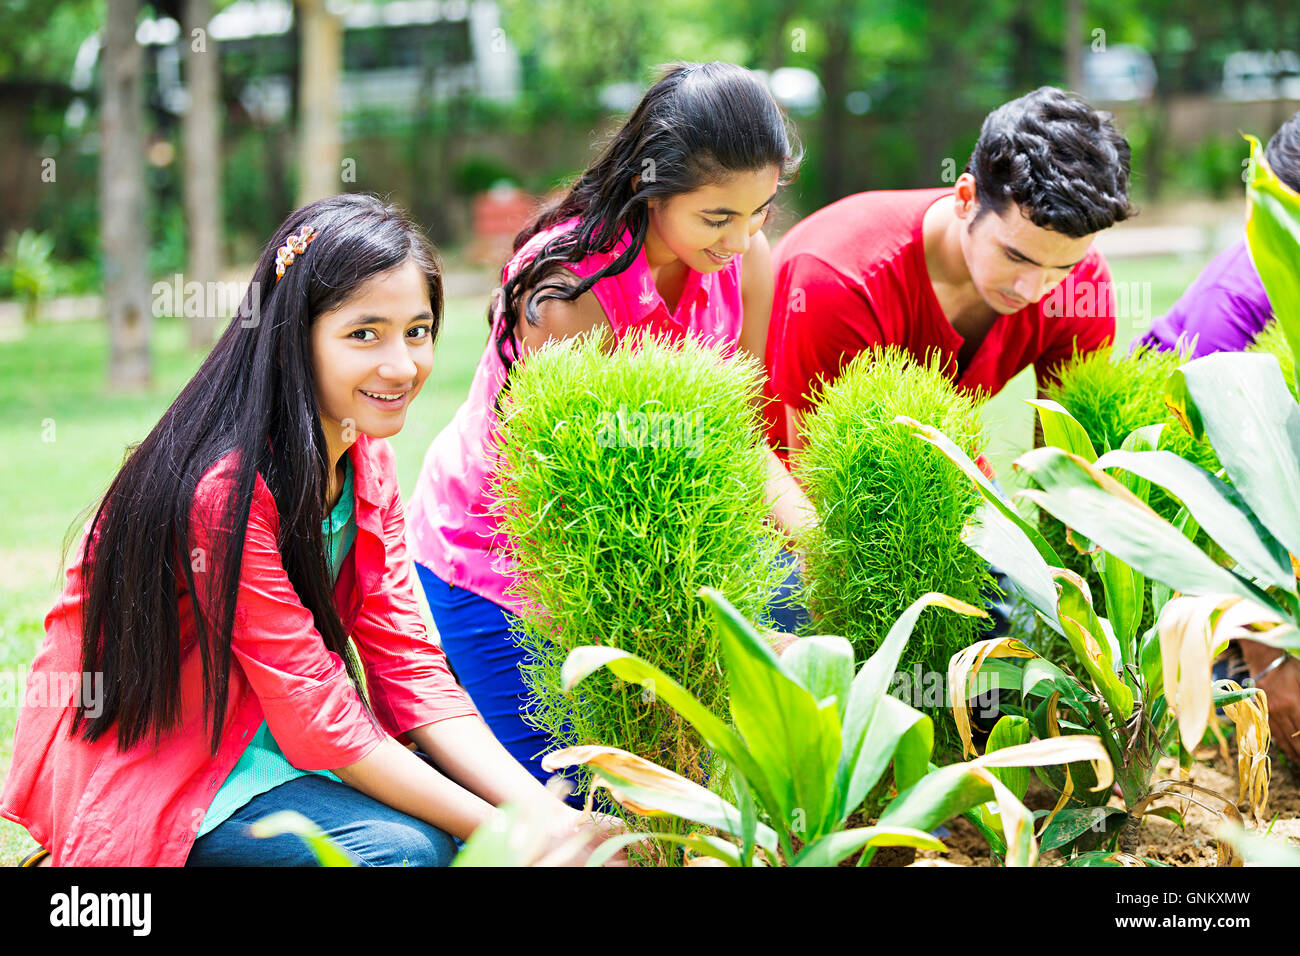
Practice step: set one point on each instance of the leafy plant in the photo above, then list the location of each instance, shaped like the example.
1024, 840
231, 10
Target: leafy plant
628, 481
1111, 398
811, 739
30, 271
890, 515
1142, 692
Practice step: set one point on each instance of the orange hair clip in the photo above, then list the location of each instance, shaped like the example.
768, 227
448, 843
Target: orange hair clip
295, 245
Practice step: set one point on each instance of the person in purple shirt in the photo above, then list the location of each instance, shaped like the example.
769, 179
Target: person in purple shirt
1226, 306
1222, 311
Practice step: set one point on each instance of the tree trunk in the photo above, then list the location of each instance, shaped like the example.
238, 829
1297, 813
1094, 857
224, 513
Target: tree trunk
320, 140
202, 182
834, 75
1073, 45
122, 208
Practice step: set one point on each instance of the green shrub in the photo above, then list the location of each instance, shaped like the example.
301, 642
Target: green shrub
629, 480
28, 271
1111, 396
890, 516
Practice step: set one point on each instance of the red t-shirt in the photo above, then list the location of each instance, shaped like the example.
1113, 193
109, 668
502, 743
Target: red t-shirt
853, 275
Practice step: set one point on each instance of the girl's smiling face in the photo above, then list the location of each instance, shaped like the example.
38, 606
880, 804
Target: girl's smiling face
707, 226
372, 354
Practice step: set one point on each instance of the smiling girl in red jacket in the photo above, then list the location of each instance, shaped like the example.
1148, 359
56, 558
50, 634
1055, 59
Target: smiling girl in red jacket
243, 590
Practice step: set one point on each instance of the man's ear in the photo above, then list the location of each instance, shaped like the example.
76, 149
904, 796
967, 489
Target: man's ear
965, 203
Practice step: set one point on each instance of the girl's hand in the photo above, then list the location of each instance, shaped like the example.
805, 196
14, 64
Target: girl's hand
574, 835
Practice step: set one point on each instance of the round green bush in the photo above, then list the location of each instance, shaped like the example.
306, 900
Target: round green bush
629, 479
891, 510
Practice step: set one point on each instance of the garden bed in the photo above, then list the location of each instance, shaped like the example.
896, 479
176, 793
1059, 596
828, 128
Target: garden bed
1160, 839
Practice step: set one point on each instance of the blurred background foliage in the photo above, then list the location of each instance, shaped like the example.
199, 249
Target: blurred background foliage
462, 96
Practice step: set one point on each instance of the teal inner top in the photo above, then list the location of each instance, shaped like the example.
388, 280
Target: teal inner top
263, 765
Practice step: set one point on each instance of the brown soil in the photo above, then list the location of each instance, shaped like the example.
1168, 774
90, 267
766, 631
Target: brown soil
1159, 839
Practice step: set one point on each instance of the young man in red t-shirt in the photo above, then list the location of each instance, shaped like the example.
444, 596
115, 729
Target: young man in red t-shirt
994, 274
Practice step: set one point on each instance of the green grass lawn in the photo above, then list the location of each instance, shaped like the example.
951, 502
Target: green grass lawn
65, 439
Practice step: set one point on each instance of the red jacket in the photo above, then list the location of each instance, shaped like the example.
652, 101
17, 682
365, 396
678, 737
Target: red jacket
90, 804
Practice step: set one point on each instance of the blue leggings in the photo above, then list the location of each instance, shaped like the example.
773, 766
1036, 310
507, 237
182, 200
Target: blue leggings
479, 640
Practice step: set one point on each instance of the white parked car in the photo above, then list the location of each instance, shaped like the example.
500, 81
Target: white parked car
1261, 75
1121, 71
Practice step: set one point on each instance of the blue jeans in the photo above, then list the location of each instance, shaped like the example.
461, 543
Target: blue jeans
370, 832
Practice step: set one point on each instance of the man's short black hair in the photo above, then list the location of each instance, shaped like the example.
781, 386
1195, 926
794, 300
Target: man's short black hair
1062, 162
1283, 152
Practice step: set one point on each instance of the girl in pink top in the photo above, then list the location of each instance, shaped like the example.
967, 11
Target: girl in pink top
662, 232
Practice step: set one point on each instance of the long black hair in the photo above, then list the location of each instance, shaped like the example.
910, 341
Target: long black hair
254, 395
700, 123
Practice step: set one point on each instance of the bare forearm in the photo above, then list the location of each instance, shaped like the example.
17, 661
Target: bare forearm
399, 779
465, 749
789, 506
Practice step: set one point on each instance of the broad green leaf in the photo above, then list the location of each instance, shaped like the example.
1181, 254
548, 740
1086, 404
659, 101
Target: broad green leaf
1084, 497
823, 666
1273, 235
861, 766
888, 737
1245, 407
989, 825
1161, 592
938, 796
834, 847
1039, 671
912, 754
791, 735
985, 487
1008, 732
1071, 823
583, 661
1217, 508
1125, 588
1150, 665
1003, 545
1168, 813
1084, 631
1062, 430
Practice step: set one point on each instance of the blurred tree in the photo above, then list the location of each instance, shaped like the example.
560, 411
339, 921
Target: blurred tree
122, 199
202, 182
320, 137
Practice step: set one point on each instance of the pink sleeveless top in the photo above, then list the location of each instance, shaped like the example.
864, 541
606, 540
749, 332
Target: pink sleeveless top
449, 528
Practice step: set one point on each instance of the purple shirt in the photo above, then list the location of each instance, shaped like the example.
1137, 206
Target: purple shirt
1225, 308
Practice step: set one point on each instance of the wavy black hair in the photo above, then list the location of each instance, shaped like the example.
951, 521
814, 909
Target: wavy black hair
698, 124
1062, 162
1283, 152
253, 395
